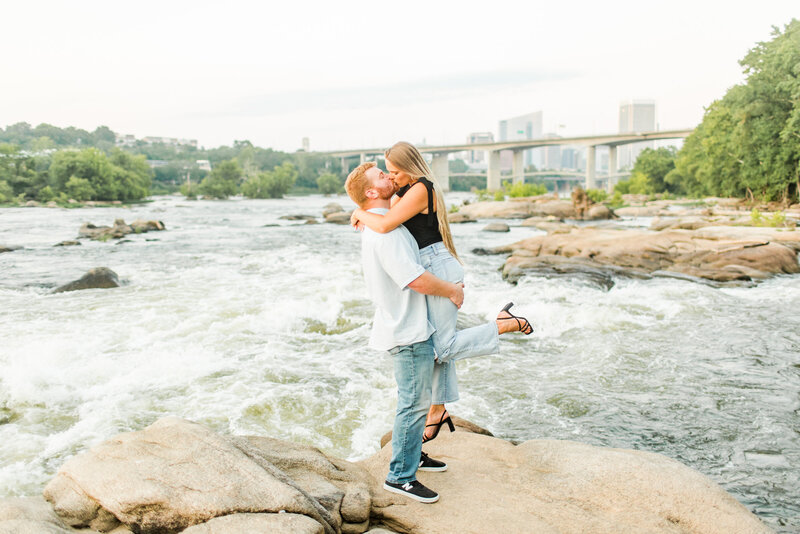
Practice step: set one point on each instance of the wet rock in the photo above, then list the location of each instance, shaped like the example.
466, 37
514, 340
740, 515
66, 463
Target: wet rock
718, 253
68, 243
459, 218
298, 218
533, 221
99, 277
175, 474
119, 229
598, 212
32, 204
551, 486
333, 207
342, 217
555, 227
9, 248
496, 227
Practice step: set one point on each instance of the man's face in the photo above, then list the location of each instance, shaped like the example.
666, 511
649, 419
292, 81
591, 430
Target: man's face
381, 183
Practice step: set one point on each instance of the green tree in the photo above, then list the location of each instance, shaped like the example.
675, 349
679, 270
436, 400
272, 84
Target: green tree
329, 184
222, 181
79, 188
748, 143
458, 166
6, 192
656, 164
637, 184
271, 184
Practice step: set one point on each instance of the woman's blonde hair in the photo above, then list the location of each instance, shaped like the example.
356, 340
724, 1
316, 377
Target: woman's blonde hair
407, 158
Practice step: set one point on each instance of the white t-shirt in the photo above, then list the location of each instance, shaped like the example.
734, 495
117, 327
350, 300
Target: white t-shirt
390, 262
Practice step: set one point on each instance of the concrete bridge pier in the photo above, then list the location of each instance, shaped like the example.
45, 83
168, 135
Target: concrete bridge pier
612, 168
441, 169
518, 167
591, 172
363, 158
493, 170
345, 168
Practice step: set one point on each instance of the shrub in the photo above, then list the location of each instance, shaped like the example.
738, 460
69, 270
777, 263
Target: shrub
597, 195
45, 194
6, 192
525, 190
329, 184
272, 184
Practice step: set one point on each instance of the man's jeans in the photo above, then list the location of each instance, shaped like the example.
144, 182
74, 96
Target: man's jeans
413, 370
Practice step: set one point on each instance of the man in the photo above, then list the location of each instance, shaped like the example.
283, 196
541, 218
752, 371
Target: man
391, 266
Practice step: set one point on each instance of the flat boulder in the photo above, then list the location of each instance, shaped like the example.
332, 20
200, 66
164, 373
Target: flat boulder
31, 515
119, 230
272, 523
459, 218
496, 227
9, 248
549, 486
332, 207
99, 277
176, 474
298, 218
341, 217
717, 253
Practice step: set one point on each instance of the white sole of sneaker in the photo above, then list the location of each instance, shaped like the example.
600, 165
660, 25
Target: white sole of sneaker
411, 496
433, 469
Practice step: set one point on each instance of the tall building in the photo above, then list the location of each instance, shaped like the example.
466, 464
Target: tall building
478, 156
518, 129
551, 155
635, 116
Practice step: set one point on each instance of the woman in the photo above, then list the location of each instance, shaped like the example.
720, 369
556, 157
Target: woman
419, 205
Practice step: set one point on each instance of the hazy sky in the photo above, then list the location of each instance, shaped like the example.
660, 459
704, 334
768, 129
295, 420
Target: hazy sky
355, 74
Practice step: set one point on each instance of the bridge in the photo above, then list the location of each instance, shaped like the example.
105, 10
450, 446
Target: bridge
440, 154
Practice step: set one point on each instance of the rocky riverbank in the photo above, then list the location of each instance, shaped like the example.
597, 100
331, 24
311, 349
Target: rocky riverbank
177, 476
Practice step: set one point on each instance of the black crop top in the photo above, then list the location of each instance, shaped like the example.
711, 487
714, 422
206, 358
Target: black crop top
423, 226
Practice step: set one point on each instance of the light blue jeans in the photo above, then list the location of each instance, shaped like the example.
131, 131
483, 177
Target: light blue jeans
413, 371
450, 344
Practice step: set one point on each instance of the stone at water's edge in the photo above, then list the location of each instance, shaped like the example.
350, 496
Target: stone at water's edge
9, 248
717, 253
496, 227
175, 474
342, 217
547, 486
99, 277
459, 218
120, 229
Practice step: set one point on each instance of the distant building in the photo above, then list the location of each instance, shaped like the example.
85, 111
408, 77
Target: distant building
203, 165
173, 141
635, 116
478, 156
518, 129
306, 145
551, 155
157, 163
124, 140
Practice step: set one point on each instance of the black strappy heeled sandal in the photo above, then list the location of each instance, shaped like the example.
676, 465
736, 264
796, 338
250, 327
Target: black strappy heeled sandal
438, 426
524, 325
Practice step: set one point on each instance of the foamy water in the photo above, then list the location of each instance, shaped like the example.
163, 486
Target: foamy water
258, 329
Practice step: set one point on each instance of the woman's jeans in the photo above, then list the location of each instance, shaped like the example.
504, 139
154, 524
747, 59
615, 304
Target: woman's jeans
451, 344
413, 370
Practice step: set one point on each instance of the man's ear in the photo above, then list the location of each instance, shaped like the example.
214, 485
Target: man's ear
371, 193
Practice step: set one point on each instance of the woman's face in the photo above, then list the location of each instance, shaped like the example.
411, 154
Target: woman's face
400, 178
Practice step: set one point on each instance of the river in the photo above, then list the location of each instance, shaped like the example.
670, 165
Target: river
252, 324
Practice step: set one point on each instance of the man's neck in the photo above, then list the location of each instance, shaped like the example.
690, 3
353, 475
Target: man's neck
377, 203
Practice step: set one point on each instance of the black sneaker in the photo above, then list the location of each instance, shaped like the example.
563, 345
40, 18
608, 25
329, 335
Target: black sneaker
426, 463
414, 490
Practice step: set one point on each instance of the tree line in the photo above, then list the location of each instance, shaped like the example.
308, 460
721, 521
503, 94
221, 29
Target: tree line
45, 163
748, 143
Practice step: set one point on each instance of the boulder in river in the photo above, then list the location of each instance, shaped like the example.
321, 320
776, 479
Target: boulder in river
298, 218
550, 486
119, 230
341, 217
459, 218
175, 474
9, 248
330, 208
99, 277
717, 253
496, 227
68, 243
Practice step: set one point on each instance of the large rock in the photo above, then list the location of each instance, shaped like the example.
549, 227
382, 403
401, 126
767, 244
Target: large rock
175, 474
31, 515
332, 207
99, 277
9, 248
496, 227
341, 217
718, 253
519, 209
459, 218
256, 523
119, 230
547, 486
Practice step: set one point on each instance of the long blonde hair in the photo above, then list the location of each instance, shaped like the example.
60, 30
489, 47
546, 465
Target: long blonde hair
407, 158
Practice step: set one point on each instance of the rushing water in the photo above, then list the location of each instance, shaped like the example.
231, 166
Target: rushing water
252, 324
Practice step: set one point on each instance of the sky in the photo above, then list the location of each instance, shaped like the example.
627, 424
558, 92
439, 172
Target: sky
358, 74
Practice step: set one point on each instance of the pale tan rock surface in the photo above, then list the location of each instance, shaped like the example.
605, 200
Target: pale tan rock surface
546, 486
257, 524
718, 253
519, 209
175, 474
31, 515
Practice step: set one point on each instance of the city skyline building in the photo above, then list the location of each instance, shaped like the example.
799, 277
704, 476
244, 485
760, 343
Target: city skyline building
478, 156
528, 126
635, 116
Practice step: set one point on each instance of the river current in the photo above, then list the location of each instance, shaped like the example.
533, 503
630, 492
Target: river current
253, 324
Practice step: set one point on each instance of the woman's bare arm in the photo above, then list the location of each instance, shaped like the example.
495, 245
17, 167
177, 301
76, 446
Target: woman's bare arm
414, 201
